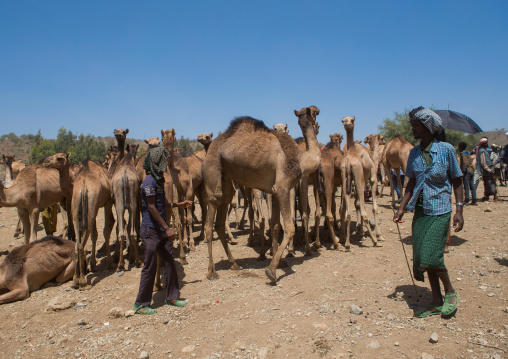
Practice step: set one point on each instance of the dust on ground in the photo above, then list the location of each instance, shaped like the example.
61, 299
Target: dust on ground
308, 314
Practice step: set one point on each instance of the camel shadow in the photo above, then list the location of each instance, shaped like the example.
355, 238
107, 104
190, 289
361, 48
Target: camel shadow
407, 293
502, 261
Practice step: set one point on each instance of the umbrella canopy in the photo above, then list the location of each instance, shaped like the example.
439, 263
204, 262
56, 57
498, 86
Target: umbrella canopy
457, 121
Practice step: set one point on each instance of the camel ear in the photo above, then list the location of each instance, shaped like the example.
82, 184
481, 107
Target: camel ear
286, 126
173, 131
296, 113
146, 142
274, 127
158, 138
162, 133
211, 135
68, 155
126, 131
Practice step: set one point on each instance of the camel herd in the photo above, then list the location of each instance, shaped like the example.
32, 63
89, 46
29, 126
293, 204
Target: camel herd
264, 164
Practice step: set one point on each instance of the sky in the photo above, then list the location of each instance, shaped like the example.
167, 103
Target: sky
93, 66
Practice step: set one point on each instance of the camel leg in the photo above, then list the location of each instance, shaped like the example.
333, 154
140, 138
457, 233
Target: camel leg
359, 226
199, 195
317, 214
34, 219
24, 216
231, 238
375, 210
329, 194
257, 194
132, 239
392, 188
209, 224
358, 175
66, 273
275, 225
109, 222
399, 183
283, 198
189, 212
303, 200
19, 228
93, 237
248, 193
20, 293
227, 195
178, 225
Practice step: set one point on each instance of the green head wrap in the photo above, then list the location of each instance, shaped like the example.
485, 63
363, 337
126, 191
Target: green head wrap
155, 163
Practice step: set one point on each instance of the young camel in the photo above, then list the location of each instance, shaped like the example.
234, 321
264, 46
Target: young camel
254, 156
125, 189
29, 267
395, 156
358, 165
376, 146
331, 160
91, 191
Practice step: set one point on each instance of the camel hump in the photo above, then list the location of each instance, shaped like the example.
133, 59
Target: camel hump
245, 123
18, 256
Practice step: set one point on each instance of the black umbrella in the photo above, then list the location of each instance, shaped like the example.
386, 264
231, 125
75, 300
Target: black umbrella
457, 121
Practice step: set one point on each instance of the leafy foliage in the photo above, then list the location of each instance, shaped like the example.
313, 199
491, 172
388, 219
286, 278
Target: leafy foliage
81, 148
399, 125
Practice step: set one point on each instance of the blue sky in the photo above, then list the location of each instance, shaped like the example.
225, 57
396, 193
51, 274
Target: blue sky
93, 66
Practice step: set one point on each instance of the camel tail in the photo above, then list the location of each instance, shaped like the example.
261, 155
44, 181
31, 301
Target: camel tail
125, 191
349, 170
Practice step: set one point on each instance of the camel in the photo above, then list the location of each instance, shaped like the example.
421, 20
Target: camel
376, 145
12, 169
91, 191
330, 171
124, 185
30, 266
35, 188
185, 170
395, 156
358, 165
254, 156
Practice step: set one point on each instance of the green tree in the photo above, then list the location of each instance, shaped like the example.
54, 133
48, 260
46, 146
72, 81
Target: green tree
184, 144
64, 140
42, 148
399, 125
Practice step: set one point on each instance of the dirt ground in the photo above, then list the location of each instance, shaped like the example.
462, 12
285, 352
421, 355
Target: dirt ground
308, 314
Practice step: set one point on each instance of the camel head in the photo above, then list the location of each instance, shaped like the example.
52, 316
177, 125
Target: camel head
8, 159
121, 134
58, 161
132, 149
349, 123
336, 138
307, 116
168, 138
153, 142
205, 138
358, 142
282, 128
111, 155
374, 140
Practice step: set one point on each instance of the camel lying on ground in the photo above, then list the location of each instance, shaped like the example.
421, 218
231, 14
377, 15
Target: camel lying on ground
28, 267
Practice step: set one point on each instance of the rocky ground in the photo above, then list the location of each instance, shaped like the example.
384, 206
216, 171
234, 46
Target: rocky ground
334, 304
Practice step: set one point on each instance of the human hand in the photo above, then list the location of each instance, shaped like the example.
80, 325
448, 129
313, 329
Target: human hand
170, 233
184, 204
397, 218
458, 221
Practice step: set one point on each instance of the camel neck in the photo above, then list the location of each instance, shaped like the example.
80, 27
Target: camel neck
312, 156
9, 180
349, 139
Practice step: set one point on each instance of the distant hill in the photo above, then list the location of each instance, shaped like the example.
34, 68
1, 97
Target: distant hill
497, 137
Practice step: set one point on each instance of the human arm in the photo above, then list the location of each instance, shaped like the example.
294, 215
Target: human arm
183, 204
458, 218
150, 201
501, 156
397, 218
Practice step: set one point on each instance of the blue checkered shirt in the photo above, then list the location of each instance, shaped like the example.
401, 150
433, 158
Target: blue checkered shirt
436, 180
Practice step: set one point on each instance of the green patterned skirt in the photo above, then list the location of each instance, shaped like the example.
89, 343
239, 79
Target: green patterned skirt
429, 240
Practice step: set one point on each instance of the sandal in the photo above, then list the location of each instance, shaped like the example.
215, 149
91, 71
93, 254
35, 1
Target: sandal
449, 309
178, 303
429, 311
147, 310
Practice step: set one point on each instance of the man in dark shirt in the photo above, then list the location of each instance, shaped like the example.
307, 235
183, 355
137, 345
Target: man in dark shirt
156, 235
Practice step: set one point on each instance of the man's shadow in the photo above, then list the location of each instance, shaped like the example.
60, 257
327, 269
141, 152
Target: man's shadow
414, 299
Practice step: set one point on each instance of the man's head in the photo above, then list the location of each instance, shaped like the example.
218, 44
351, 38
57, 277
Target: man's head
155, 163
425, 122
484, 142
462, 146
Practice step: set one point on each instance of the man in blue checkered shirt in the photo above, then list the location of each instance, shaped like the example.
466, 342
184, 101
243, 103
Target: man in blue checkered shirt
432, 170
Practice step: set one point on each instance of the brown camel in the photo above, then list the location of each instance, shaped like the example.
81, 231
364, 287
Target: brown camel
376, 145
254, 156
357, 165
30, 266
395, 156
282, 128
91, 191
331, 160
125, 189
185, 169
35, 188
10, 176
